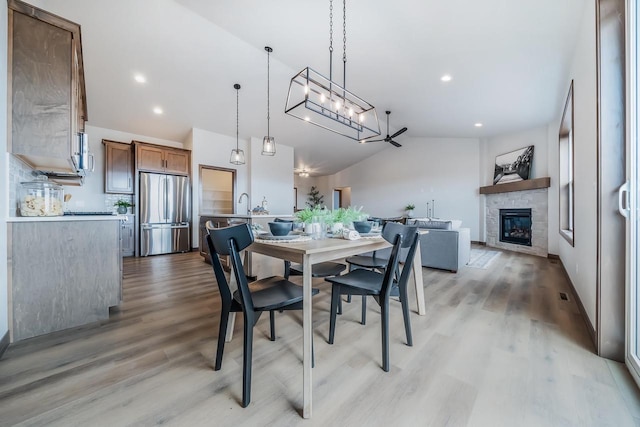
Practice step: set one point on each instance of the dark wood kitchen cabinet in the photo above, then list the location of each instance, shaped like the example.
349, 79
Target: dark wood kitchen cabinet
157, 158
47, 100
118, 168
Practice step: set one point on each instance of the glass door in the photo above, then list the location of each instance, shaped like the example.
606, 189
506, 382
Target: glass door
629, 193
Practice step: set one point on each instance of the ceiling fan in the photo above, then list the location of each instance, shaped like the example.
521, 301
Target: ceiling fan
388, 138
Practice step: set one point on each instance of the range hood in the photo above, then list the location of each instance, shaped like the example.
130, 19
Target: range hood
71, 171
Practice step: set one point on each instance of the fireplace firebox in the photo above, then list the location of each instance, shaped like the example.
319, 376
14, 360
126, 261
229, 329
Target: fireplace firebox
515, 226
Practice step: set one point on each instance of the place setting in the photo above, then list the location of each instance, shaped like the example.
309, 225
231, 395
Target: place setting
281, 232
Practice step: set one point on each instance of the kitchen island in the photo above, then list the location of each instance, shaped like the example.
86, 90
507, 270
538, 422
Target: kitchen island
224, 220
64, 271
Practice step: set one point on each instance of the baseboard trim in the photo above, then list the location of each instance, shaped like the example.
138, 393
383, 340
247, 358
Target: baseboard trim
479, 243
554, 256
4, 344
583, 312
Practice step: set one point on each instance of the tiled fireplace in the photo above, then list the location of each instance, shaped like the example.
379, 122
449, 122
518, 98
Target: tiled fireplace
518, 202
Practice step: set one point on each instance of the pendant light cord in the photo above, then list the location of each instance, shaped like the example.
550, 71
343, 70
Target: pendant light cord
268, 104
330, 41
344, 44
237, 117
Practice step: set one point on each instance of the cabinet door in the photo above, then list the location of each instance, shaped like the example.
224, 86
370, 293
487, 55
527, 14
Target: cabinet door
177, 162
41, 72
118, 168
127, 237
150, 158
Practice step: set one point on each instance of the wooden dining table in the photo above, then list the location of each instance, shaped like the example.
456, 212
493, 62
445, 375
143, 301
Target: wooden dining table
310, 252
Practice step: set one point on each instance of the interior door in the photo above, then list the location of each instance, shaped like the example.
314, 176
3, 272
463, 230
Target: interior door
629, 195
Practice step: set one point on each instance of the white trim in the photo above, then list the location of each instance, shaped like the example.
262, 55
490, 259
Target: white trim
631, 306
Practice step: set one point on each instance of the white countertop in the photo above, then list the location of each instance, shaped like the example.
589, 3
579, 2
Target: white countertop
66, 218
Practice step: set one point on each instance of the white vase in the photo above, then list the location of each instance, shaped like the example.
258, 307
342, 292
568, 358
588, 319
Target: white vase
410, 213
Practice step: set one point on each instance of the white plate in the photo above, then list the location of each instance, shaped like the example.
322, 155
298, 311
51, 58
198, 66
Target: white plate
272, 237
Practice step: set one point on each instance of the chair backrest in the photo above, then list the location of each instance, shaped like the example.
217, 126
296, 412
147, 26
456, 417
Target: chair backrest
230, 241
283, 220
408, 239
413, 240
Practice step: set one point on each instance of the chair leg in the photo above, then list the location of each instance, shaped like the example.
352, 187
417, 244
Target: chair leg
339, 305
364, 310
272, 323
222, 332
349, 298
287, 269
335, 296
404, 300
246, 363
384, 308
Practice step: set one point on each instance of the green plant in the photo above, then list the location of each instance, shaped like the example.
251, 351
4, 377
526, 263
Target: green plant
347, 215
410, 207
307, 214
315, 199
123, 203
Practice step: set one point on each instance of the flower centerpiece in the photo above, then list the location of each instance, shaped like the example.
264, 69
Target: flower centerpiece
344, 217
314, 220
123, 205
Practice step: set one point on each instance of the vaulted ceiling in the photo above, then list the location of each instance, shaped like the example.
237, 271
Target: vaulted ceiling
508, 61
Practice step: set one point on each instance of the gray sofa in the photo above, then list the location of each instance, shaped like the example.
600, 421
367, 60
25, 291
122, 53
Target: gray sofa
442, 247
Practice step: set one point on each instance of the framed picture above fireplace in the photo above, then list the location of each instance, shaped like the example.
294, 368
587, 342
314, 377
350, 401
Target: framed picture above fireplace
513, 166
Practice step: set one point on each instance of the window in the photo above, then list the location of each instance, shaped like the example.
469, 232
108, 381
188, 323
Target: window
566, 190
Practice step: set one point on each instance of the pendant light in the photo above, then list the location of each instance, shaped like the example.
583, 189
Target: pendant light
327, 104
237, 155
268, 142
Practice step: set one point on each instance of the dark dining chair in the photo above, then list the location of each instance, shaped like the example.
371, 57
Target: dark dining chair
322, 270
269, 294
380, 285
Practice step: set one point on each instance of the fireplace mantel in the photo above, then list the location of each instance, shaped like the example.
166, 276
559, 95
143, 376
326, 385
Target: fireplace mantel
529, 184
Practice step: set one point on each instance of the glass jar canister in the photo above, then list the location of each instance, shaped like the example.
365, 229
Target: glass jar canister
41, 198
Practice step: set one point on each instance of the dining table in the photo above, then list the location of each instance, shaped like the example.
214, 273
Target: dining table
308, 252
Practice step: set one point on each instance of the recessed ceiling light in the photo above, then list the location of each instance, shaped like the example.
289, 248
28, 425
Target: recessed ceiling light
157, 110
446, 78
307, 119
478, 125
140, 78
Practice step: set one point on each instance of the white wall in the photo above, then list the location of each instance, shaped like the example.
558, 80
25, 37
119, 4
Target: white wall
91, 196
272, 177
4, 175
214, 149
442, 169
580, 260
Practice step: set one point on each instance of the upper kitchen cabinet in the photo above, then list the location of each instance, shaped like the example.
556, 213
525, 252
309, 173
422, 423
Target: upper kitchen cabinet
46, 85
118, 168
156, 158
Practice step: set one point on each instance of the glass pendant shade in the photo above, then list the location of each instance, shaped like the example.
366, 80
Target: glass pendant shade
268, 146
237, 157
317, 100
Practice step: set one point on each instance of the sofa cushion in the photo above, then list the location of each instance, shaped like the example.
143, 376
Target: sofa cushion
435, 225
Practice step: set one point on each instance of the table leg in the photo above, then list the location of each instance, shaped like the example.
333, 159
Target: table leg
417, 279
307, 328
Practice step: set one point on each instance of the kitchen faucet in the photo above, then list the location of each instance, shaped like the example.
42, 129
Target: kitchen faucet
248, 202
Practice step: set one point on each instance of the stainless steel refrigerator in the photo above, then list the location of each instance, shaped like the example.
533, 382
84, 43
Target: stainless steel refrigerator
165, 214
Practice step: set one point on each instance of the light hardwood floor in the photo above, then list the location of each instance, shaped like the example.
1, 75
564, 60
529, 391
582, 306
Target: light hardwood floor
498, 347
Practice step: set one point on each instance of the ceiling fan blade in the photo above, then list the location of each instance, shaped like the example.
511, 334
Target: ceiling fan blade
365, 141
400, 132
392, 142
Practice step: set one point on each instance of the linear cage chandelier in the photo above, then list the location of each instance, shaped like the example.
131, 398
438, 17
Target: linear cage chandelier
327, 104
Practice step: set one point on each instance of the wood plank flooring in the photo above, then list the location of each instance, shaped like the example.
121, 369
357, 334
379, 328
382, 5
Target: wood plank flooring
498, 347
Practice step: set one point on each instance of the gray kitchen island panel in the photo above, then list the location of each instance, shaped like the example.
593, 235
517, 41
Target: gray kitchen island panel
62, 274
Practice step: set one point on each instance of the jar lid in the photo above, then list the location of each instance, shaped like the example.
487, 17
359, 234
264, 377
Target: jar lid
41, 181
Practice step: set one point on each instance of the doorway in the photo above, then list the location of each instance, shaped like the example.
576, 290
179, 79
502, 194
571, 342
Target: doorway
217, 190
341, 197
